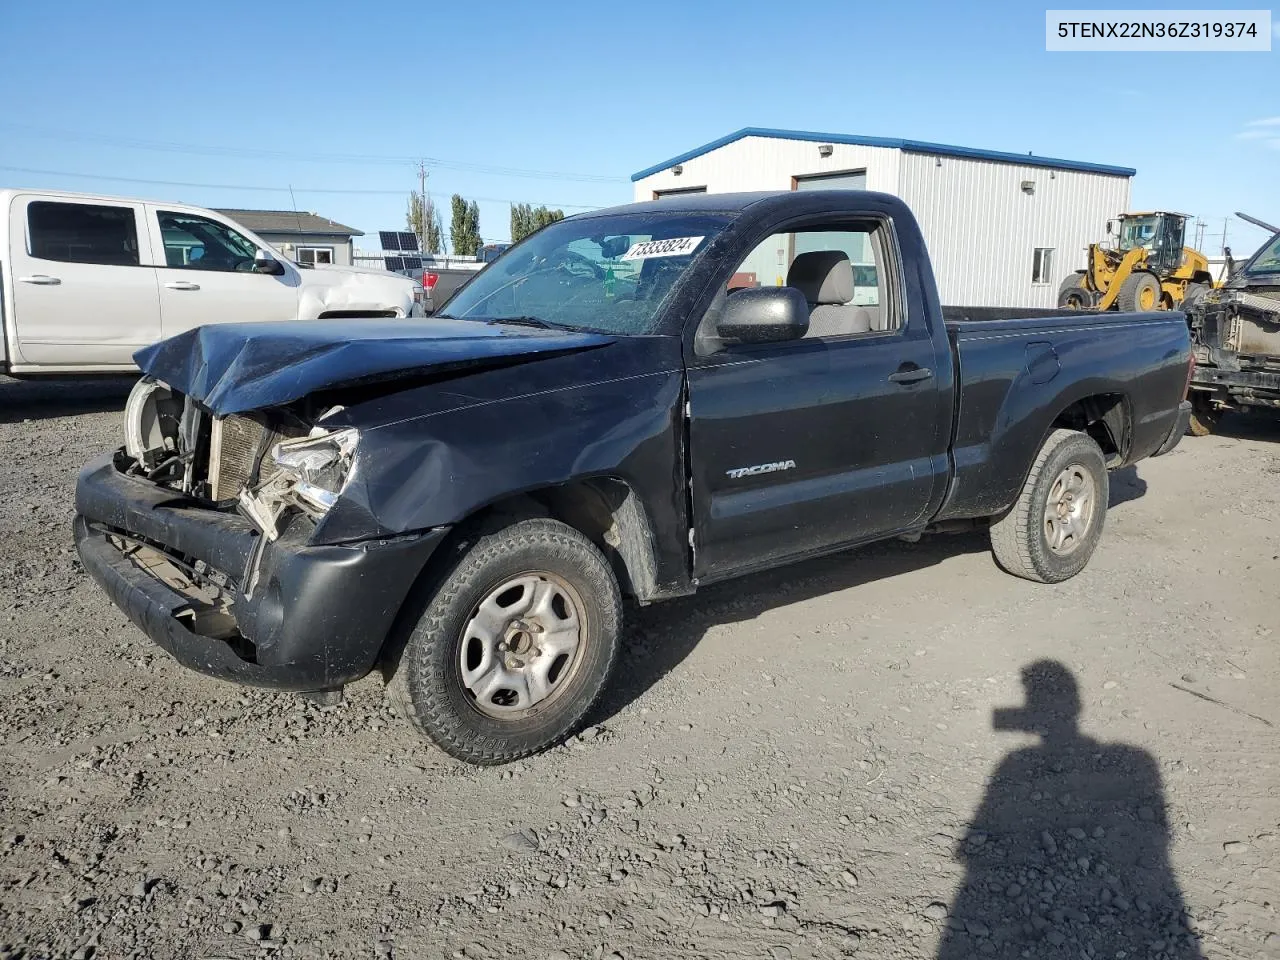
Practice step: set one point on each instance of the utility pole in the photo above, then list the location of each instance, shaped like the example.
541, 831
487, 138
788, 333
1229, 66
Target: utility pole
422, 196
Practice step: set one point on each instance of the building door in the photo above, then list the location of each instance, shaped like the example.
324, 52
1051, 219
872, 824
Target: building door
856, 244
677, 192
83, 290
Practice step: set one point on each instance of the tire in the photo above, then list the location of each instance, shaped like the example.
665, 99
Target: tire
502, 580
1193, 293
1204, 416
1021, 540
1074, 295
1136, 288
1076, 298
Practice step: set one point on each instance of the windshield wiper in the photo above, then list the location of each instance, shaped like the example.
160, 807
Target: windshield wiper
526, 322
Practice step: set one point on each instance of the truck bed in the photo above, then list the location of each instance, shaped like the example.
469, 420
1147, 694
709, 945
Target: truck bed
972, 318
1018, 367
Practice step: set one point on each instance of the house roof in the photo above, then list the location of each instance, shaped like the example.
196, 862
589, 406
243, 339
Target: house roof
911, 146
289, 221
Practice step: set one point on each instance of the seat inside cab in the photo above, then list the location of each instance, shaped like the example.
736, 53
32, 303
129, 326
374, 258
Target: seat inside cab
835, 269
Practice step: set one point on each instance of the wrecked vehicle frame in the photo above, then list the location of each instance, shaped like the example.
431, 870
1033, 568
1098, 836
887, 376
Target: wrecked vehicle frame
1235, 331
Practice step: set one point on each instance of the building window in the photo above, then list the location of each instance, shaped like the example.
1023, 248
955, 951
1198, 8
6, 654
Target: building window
315, 255
677, 192
1042, 265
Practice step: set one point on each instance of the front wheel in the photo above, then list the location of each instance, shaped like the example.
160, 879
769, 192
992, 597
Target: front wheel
1140, 293
515, 646
1054, 526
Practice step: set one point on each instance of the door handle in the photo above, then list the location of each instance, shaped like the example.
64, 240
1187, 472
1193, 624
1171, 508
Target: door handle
912, 375
182, 285
41, 280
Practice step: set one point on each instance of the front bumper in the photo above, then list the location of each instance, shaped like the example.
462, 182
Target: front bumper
310, 617
1180, 427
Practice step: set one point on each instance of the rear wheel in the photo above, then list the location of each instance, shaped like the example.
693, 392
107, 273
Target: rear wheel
1073, 294
1139, 293
1054, 526
515, 645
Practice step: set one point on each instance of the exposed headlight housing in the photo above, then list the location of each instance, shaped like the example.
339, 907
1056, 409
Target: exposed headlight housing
319, 465
311, 474
150, 421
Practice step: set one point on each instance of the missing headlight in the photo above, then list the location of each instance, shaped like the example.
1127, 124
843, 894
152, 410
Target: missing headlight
311, 474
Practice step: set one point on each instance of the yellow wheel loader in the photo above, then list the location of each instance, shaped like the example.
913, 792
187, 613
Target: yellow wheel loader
1145, 268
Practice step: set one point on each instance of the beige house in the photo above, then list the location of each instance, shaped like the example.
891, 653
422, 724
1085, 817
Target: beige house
304, 237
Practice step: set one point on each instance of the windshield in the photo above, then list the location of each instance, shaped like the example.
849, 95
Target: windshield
1266, 260
610, 274
1137, 232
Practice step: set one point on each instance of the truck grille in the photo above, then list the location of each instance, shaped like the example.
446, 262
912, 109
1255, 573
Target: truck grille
236, 443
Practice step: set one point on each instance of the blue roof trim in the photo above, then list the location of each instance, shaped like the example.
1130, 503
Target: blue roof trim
912, 146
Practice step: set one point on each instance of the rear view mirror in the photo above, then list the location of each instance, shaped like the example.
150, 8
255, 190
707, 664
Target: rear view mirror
764, 315
1111, 227
611, 248
264, 262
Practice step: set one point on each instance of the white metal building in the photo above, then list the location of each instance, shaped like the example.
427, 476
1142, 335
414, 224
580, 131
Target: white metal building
1003, 229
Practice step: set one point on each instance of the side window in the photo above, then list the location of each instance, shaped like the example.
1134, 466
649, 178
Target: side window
842, 272
82, 233
197, 243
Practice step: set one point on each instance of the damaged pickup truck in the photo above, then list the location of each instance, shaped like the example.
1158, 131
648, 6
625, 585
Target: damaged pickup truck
1235, 330
632, 402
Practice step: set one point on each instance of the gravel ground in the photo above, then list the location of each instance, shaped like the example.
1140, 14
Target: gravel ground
875, 755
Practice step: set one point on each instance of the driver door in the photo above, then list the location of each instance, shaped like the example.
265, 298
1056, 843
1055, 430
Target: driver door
207, 276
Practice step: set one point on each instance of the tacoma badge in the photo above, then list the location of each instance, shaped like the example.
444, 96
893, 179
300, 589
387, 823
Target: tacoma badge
759, 468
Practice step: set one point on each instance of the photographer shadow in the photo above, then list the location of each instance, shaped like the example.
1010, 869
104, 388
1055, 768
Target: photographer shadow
1068, 855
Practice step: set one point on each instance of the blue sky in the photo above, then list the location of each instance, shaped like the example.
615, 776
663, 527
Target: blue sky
559, 103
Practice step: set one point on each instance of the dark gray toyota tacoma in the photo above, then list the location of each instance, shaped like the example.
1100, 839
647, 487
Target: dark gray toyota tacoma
637, 401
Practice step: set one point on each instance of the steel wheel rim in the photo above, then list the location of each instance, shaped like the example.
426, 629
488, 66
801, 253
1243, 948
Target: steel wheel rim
1069, 509
521, 645
1147, 298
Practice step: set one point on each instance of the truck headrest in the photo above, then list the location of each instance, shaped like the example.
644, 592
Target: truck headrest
823, 276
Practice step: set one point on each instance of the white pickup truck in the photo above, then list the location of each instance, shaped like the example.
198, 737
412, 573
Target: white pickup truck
87, 280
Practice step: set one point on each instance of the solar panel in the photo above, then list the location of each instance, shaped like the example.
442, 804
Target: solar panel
394, 263
412, 263
390, 240
408, 241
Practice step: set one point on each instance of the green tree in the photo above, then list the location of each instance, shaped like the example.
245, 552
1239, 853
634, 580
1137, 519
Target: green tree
435, 231
525, 219
464, 228
423, 218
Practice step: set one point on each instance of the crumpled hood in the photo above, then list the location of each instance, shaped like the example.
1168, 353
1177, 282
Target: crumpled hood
236, 367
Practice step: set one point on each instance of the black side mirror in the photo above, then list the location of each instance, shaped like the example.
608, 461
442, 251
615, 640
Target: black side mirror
264, 262
764, 315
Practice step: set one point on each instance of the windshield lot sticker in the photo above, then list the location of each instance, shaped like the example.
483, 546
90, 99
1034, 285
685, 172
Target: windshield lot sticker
675, 247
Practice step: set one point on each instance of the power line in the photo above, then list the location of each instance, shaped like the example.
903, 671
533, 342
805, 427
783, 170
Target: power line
169, 146
264, 189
